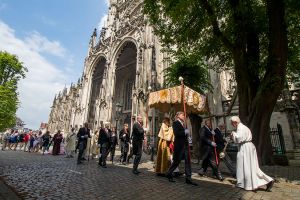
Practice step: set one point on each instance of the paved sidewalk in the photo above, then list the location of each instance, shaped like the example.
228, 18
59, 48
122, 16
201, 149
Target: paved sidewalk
7, 193
34, 176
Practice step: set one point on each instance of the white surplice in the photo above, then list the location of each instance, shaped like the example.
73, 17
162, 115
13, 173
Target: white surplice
248, 175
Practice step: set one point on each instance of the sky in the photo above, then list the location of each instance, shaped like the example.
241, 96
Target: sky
51, 39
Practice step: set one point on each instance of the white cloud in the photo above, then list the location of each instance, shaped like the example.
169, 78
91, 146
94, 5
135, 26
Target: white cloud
43, 79
38, 43
103, 21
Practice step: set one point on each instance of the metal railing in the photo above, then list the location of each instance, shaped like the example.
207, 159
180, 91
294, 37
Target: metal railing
277, 140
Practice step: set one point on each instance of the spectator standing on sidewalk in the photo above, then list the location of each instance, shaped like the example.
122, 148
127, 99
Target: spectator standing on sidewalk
26, 140
46, 142
5, 139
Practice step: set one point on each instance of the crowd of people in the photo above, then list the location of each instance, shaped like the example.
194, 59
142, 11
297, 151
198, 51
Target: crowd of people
30, 141
173, 146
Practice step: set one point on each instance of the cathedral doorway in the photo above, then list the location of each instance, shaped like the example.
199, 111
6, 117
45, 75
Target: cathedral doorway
124, 83
97, 78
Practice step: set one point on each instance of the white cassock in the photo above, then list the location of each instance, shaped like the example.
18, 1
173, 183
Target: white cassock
248, 175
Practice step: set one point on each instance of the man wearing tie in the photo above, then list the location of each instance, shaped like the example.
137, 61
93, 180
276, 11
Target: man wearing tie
82, 135
181, 148
137, 142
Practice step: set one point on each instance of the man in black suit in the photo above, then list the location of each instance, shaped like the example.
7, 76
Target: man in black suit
104, 144
207, 149
137, 142
181, 149
82, 135
221, 143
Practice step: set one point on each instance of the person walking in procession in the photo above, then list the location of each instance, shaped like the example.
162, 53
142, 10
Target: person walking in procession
71, 143
124, 143
248, 174
181, 149
57, 139
163, 159
137, 143
82, 136
221, 149
104, 144
95, 148
113, 143
208, 150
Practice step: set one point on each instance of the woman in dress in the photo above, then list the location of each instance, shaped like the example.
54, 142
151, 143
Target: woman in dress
57, 139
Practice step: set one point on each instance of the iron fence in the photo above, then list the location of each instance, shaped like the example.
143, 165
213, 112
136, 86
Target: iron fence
277, 140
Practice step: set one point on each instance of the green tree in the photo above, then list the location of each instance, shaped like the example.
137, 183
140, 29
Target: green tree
11, 71
8, 105
193, 71
258, 39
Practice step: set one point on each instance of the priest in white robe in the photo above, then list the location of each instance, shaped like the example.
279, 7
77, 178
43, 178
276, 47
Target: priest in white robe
248, 175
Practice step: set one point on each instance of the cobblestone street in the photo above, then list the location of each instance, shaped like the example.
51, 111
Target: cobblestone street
34, 176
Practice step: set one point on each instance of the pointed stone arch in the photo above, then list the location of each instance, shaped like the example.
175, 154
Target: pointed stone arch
125, 67
96, 84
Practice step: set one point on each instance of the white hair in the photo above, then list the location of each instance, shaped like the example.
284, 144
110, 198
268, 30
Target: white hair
221, 124
235, 119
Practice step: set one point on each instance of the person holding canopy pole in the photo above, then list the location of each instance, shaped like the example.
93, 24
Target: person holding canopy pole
181, 143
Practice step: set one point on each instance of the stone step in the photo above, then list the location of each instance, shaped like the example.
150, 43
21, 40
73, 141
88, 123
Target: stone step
296, 151
296, 157
294, 163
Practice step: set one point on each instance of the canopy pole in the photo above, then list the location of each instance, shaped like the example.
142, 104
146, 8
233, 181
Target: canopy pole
184, 111
213, 137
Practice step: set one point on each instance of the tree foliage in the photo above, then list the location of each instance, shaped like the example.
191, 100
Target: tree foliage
8, 105
193, 71
11, 71
258, 39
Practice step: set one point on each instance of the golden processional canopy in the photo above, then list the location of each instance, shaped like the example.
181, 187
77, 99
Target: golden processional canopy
171, 99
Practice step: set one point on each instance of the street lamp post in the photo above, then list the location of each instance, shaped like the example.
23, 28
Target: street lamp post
118, 113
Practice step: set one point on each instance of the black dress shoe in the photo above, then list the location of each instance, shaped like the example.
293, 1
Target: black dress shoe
177, 174
189, 181
104, 166
79, 162
170, 178
202, 172
269, 186
135, 172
